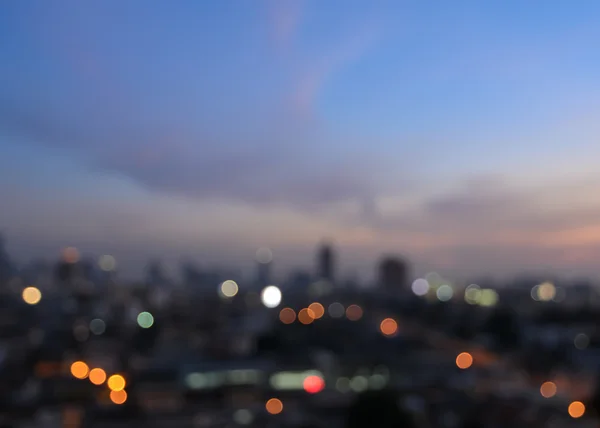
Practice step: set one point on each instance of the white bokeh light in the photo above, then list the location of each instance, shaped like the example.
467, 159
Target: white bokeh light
271, 296
420, 287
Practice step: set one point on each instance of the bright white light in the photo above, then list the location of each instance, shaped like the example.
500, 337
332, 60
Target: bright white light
264, 255
420, 287
444, 293
229, 288
271, 296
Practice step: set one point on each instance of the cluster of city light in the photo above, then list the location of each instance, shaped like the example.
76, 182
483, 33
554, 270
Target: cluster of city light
475, 295
433, 286
216, 379
362, 381
97, 376
316, 311
310, 381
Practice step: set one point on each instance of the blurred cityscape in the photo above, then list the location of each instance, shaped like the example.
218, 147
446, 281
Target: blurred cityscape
79, 348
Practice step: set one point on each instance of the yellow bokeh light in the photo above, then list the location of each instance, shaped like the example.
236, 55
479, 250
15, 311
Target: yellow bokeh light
32, 295
576, 409
97, 376
317, 309
546, 291
79, 369
116, 382
118, 397
287, 315
464, 360
274, 406
548, 389
388, 327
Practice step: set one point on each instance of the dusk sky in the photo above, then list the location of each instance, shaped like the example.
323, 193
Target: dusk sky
464, 134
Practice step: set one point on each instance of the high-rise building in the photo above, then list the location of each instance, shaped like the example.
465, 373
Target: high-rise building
155, 275
393, 274
263, 273
326, 263
6, 267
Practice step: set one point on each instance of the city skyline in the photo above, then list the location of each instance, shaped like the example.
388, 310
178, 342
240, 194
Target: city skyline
462, 138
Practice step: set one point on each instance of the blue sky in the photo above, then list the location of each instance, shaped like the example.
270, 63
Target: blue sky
461, 134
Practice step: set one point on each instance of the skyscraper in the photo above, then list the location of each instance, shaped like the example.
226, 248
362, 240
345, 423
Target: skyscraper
6, 267
326, 263
393, 274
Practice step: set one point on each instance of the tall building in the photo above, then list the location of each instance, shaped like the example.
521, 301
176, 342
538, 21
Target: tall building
326, 263
155, 275
6, 267
393, 274
263, 273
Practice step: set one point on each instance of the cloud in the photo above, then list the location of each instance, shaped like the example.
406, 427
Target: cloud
490, 212
282, 166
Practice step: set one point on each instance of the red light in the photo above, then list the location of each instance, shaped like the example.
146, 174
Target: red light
313, 384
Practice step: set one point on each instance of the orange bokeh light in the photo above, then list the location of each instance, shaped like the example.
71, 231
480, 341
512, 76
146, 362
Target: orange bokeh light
97, 376
318, 310
287, 315
354, 312
306, 316
464, 360
118, 397
80, 370
548, 389
274, 406
389, 327
576, 409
